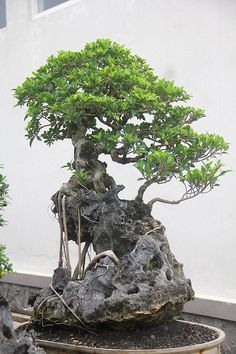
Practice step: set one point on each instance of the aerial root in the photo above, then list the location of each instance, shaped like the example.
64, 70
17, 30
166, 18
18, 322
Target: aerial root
108, 253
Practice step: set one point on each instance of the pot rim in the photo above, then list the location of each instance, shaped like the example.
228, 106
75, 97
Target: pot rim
186, 349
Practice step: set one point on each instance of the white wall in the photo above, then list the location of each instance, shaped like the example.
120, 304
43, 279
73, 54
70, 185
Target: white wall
189, 41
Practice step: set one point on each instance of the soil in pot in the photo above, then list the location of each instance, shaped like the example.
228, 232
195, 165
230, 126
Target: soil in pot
169, 334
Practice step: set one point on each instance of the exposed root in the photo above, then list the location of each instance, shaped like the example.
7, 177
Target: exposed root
108, 253
155, 229
79, 245
67, 254
83, 257
62, 244
41, 303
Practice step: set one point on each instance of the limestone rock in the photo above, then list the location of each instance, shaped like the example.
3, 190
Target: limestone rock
107, 221
9, 342
60, 279
147, 286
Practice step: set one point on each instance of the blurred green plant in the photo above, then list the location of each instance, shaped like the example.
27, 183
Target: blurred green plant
3, 196
115, 101
5, 265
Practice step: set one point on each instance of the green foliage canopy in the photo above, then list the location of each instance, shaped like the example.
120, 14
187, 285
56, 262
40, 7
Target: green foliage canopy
119, 104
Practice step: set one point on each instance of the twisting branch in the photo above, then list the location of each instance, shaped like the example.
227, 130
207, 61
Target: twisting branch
207, 155
106, 122
44, 126
124, 159
191, 193
149, 182
144, 186
161, 200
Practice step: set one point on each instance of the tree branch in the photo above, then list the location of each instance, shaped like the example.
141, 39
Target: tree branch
124, 159
144, 186
149, 182
166, 201
124, 119
191, 193
106, 123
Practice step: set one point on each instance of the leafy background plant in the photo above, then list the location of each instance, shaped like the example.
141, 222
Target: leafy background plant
5, 265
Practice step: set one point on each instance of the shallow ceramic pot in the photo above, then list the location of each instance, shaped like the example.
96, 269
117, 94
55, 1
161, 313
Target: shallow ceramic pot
212, 347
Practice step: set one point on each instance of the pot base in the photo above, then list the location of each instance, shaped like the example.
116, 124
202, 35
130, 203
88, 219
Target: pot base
211, 346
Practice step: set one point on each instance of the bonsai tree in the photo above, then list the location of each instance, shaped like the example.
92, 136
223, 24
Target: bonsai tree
108, 101
5, 265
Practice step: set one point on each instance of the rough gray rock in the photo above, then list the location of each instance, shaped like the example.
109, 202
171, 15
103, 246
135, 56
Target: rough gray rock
147, 286
107, 221
60, 279
9, 343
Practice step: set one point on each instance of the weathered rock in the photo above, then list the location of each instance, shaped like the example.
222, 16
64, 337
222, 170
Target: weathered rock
147, 286
106, 221
60, 278
9, 343
6, 326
